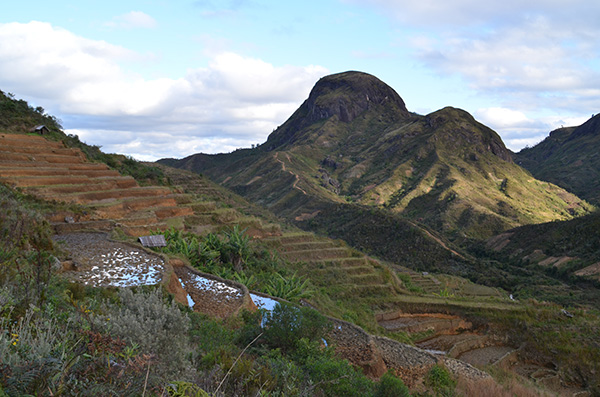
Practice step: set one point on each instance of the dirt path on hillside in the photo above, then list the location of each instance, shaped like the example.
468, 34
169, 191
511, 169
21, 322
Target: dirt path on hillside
295, 185
437, 239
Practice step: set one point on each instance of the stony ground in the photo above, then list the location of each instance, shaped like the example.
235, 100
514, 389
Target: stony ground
210, 296
94, 260
485, 356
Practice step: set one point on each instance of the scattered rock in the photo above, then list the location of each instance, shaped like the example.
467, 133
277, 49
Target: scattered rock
566, 313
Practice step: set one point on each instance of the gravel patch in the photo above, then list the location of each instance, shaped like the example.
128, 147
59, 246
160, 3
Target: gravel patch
210, 296
485, 355
99, 262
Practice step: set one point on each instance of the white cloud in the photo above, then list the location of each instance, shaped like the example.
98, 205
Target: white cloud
537, 56
235, 101
132, 20
502, 117
519, 130
544, 49
532, 58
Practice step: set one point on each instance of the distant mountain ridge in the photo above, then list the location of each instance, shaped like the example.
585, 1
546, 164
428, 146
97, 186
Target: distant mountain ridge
568, 157
353, 142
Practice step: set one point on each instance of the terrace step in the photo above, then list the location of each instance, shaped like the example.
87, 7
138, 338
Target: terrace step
372, 290
314, 255
144, 229
119, 209
40, 158
352, 261
420, 322
358, 270
69, 166
171, 212
366, 279
292, 238
50, 191
27, 181
100, 196
200, 220
64, 228
139, 219
29, 141
223, 215
185, 199
203, 207
56, 172
311, 245
48, 150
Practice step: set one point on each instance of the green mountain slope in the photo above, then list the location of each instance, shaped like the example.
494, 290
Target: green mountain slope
569, 158
353, 141
568, 252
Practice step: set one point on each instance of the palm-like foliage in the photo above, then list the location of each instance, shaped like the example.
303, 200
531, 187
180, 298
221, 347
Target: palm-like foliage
237, 247
291, 288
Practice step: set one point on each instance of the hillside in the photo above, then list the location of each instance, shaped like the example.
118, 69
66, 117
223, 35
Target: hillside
353, 141
70, 324
569, 158
567, 250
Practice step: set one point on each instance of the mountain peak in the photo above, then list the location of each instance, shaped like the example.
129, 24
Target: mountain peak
590, 128
348, 94
344, 96
460, 131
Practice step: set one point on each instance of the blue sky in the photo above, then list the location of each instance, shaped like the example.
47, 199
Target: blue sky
161, 78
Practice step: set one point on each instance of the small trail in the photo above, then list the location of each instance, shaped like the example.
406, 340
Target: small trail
437, 239
295, 185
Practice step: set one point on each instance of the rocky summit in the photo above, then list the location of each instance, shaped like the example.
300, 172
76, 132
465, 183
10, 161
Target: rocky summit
353, 142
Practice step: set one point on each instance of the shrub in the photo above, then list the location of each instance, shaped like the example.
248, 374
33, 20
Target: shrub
336, 377
287, 324
391, 386
288, 376
439, 380
158, 329
184, 389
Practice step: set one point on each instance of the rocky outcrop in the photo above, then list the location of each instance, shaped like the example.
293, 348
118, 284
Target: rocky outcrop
346, 95
357, 346
343, 96
410, 363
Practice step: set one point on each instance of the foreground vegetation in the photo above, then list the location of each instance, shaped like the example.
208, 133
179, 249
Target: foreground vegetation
60, 338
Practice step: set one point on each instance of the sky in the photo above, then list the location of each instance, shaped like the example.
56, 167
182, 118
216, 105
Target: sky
168, 78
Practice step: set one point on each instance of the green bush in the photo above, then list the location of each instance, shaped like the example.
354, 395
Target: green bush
288, 376
439, 380
391, 386
336, 377
287, 324
159, 329
185, 389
